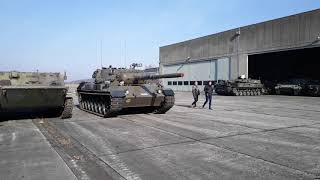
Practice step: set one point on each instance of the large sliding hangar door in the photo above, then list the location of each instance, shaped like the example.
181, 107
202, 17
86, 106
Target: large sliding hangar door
201, 71
285, 65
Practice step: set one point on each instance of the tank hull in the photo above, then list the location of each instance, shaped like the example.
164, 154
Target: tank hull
109, 102
14, 98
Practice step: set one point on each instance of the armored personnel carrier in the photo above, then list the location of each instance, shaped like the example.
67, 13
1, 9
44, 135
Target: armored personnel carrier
33, 92
239, 87
116, 89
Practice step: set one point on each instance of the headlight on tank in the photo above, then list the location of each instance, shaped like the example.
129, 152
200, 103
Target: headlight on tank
159, 91
127, 92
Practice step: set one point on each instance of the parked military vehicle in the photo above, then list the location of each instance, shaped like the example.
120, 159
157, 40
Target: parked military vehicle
34, 92
298, 87
239, 87
116, 89
312, 88
288, 89
291, 87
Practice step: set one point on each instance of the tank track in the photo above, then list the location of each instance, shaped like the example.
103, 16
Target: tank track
246, 92
167, 104
101, 105
68, 107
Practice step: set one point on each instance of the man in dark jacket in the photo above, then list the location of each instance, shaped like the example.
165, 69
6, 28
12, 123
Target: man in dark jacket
208, 90
195, 93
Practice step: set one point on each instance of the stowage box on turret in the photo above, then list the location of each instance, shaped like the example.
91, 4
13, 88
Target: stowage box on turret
33, 92
116, 89
240, 87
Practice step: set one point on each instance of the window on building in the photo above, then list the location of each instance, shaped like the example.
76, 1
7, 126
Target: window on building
186, 83
200, 83
205, 82
174, 83
180, 83
169, 83
192, 83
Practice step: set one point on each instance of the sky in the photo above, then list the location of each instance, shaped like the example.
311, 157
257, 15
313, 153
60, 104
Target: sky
72, 35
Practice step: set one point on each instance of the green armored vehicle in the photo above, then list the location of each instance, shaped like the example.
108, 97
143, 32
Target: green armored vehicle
34, 92
117, 89
239, 87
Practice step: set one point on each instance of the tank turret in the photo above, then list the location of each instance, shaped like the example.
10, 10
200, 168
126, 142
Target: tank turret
129, 76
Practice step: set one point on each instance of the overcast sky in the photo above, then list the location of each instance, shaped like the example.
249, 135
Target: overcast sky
65, 35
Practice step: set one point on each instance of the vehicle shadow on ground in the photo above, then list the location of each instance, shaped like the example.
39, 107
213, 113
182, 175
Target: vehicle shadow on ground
27, 115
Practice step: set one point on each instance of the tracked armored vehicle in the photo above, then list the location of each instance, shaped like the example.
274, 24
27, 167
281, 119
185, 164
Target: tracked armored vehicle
298, 87
34, 92
288, 89
117, 89
312, 88
239, 87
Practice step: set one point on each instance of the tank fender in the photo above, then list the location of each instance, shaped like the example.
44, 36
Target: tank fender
168, 92
118, 94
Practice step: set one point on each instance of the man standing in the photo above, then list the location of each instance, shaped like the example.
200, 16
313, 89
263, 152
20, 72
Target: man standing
208, 90
195, 93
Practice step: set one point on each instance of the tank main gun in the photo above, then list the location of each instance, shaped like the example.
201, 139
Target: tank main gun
141, 78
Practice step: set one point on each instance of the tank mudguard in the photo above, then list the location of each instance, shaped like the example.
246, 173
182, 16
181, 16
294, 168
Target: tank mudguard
118, 94
168, 92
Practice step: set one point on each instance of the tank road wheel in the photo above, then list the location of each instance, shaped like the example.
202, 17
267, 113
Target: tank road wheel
113, 108
246, 93
235, 92
67, 110
100, 108
240, 93
259, 92
255, 92
103, 109
167, 104
251, 93
95, 107
86, 105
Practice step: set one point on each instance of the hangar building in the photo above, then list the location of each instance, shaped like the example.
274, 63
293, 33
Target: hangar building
279, 49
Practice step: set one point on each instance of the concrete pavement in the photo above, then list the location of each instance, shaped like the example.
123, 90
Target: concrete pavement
26, 154
266, 137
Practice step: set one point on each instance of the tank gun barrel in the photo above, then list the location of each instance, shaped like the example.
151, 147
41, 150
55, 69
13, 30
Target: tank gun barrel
146, 77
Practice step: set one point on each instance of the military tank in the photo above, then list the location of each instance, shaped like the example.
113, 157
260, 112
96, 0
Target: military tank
33, 92
239, 87
117, 89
